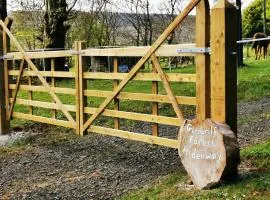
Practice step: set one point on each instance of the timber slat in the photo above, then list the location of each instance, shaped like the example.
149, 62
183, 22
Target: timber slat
131, 51
123, 95
141, 97
45, 74
109, 113
135, 136
40, 54
172, 77
32, 88
43, 120
167, 87
16, 89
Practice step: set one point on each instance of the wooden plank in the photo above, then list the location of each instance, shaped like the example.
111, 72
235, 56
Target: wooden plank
43, 120
43, 104
34, 68
108, 113
203, 61
77, 86
40, 54
154, 104
83, 86
172, 77
6, 67
51, 73
16, 90
116, 101
223, 64
136, 116
122, 96
4, 104
141, 97
32, 88
135, 136
54, 113
142, 61
30, 93
167, 88
132, 51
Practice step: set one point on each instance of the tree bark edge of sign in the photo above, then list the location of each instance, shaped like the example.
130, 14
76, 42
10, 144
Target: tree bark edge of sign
209, 151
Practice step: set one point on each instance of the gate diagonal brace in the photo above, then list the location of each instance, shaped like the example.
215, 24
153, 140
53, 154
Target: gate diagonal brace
167, 87
41, 78
16, 90
178, 20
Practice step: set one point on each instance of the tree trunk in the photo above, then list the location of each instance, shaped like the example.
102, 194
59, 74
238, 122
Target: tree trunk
55, 17
3, 9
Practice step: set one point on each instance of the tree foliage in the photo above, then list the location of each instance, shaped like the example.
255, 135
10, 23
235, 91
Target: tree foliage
253, 18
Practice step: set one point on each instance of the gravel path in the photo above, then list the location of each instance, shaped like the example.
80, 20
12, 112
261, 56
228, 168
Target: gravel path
100, 167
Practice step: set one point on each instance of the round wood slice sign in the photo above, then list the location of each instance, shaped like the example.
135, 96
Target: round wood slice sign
202, 151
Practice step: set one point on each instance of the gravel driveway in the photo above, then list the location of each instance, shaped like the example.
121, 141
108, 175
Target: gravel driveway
100, 167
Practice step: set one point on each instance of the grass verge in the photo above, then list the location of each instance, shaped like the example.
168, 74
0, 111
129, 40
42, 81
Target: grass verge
253, 184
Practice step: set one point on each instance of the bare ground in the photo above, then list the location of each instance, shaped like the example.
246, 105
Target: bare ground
100, 167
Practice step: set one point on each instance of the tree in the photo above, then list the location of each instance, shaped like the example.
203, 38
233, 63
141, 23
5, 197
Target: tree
147, 23
29, 32
170, 8
253, 18
57, 13
133, 17
3, 9
111, 27
88, 24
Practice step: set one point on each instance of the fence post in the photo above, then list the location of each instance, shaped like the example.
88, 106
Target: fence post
203, 61
4, 97
81, 85
224, 64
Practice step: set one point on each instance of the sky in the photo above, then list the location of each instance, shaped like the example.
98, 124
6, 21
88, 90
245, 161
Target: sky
155, 3
245, 3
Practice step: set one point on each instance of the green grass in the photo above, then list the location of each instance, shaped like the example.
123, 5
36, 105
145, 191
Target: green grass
252, 185
254, 80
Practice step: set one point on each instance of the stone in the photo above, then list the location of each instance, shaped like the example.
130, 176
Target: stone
209, 151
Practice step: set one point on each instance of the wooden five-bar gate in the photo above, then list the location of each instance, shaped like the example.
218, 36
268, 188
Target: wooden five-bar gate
215, 79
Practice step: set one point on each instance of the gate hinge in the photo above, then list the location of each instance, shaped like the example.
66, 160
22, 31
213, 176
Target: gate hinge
194, 50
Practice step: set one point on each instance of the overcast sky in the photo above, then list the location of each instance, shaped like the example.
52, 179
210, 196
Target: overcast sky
155, 4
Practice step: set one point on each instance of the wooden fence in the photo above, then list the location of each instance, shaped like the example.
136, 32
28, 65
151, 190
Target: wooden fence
215, 84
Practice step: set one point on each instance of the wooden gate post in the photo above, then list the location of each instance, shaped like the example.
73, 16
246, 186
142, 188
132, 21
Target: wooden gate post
224, 64
203, 61
81, 85
4, 48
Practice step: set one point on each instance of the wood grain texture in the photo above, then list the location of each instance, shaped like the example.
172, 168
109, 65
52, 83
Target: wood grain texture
16, 90
168, 89
134, 136
223, 64
203, 88
116, 101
